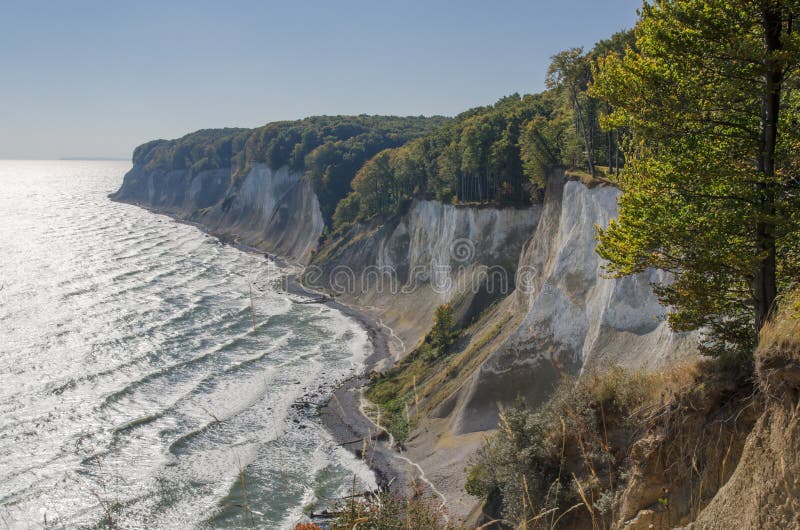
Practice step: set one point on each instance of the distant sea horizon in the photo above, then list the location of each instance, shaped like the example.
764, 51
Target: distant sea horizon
98, 158
68, 158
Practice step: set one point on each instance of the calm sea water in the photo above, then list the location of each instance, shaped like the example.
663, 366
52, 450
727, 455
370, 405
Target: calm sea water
133, 384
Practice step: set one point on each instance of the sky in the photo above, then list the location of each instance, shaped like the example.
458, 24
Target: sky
97, 78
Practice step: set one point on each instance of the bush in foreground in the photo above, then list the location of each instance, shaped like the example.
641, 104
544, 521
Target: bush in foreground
565, 457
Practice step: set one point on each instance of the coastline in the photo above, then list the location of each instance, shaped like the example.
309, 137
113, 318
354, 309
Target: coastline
341, 414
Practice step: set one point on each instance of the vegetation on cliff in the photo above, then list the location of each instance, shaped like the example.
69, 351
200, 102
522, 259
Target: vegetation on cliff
362, 166
498, 154
694, 115
551, 464
707, 442
328, 150
204, 149
398, 391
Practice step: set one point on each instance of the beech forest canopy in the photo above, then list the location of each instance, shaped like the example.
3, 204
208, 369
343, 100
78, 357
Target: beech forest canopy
327, 149
499, 154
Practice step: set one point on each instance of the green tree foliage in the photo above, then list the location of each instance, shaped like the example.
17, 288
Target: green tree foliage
547, 141
347, 210
329, 150
473, 159
711, 185
570, 135
493, 154
570, 72
362, 166
375, 185
201, 150
443, 332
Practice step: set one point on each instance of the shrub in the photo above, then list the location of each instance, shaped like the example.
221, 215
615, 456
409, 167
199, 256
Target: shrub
557, 456
442, 334
395, 392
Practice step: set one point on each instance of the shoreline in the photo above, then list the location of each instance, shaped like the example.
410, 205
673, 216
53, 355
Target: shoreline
341, 413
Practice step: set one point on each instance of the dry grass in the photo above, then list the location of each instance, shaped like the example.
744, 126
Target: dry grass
660, 388
578, 446
562, 463
600, 177
778, 354
783, 331
691, 442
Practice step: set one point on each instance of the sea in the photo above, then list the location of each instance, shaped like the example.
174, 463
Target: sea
151, 376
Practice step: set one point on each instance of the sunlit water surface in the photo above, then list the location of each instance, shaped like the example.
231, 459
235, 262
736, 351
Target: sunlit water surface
133, 384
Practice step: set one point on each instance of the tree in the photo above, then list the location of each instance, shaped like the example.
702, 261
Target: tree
347, 210
570, 71
618, 43
711, 181
374, 185
442, 335
542, 146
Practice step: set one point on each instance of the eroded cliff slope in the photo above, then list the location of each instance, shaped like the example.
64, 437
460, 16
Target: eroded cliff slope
401, 269
563, 317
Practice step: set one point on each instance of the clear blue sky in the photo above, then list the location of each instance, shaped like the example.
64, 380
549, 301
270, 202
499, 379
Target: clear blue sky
97, 78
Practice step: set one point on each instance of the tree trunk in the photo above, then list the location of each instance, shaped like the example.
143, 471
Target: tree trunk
590, 142
610, 141
765, 284
584, 130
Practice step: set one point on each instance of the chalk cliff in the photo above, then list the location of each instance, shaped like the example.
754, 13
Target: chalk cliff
274, 210
401, 269
528, 287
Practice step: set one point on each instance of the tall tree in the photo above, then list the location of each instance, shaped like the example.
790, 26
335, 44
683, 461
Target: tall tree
711, 185
570, 72
618, 43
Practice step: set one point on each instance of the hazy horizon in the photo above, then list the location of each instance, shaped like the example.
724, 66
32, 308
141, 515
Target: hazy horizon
92, 79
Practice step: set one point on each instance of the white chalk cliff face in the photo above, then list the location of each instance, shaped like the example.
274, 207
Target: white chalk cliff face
176, 191
564, 317
400, 270
531, 273
562, 314
274, 210
570, 316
